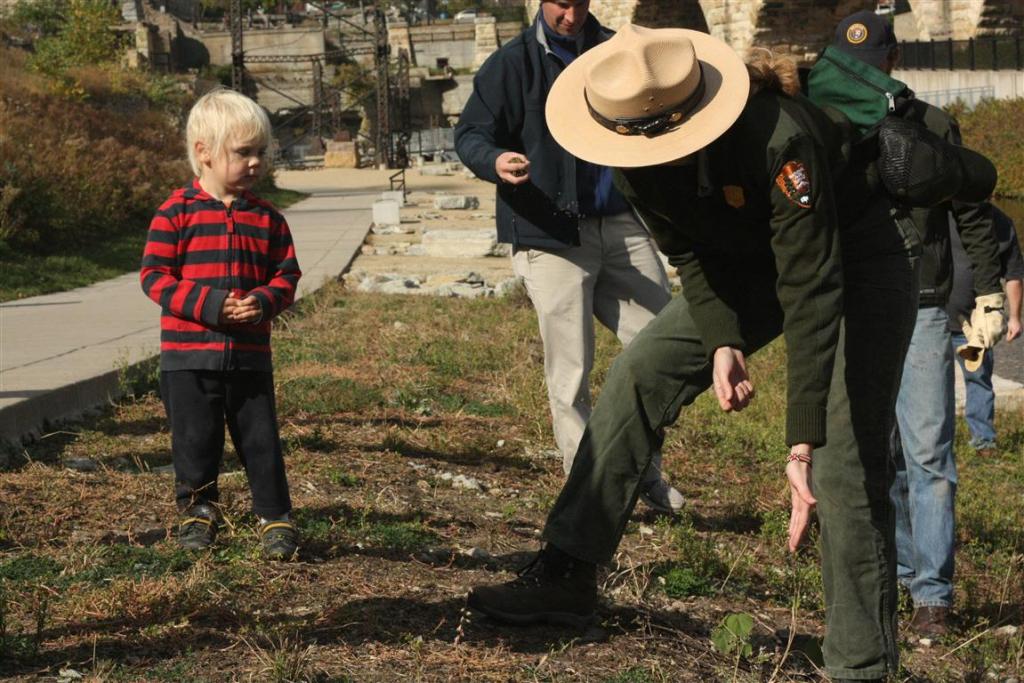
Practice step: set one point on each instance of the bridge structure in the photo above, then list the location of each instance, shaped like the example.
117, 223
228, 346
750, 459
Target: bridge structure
803, 27
391, 124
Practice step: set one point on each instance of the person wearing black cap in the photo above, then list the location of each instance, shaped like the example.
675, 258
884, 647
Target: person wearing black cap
853, 76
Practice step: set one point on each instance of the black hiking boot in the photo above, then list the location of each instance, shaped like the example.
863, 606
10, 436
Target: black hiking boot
555, 589
197, 528
280, 540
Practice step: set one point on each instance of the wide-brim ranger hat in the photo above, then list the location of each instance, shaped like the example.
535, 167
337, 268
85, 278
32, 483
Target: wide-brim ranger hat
647, 96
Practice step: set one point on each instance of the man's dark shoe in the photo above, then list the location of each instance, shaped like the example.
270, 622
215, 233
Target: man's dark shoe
987, 452
930, 622
280, 540
555, 588
197, 528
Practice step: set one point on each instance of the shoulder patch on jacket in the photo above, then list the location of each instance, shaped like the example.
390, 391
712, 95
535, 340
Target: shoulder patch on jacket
795, 183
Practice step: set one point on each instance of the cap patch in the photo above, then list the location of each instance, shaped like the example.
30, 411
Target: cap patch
795, 183
856, 34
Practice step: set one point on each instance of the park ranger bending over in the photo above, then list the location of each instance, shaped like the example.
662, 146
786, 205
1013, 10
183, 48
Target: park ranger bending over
734, 178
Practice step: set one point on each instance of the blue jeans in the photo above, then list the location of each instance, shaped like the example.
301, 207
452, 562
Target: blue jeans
925, 488
980, 408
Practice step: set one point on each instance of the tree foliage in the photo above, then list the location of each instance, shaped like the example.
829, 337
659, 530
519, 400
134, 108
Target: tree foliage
39, 17
73, 34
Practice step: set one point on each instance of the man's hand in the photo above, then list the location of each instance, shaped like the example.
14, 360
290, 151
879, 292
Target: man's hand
802, 500
1012, 329
512, 167
731, 382
989, 318
240, 311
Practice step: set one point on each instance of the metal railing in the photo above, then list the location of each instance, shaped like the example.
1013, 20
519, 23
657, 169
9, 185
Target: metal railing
969, 96
987, 52
431, 141
397, 181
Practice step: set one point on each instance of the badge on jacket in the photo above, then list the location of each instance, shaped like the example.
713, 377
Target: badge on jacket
795, 183
734, 196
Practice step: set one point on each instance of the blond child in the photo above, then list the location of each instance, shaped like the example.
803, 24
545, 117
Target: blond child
220, 262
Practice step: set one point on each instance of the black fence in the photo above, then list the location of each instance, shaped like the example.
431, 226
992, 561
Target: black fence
988, 52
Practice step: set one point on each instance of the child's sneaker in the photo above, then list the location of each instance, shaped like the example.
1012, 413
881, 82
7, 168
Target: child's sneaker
198, 528
280, 540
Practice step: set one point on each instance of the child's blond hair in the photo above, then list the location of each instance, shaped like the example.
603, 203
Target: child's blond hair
220, 117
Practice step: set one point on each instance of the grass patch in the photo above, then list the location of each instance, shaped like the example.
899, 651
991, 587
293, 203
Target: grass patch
134, 562
631, 675
282, 198
325, 395
371, 434
25, 274
399, 536
30, 568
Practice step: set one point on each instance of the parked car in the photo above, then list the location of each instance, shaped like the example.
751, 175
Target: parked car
468, 14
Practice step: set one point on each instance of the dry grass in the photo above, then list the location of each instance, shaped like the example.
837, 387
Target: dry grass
382, 398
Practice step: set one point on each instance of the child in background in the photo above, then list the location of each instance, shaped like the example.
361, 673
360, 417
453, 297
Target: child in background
220, 262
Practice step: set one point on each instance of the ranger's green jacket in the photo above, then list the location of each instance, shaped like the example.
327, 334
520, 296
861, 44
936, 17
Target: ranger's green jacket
740, 216
865, 95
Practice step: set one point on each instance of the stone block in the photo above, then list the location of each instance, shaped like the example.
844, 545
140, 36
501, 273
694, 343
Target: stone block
455, 201
436, 170
459, 243
385, 212
341, 155
394, 195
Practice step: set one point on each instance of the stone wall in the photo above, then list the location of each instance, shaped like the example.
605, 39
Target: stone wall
277, 41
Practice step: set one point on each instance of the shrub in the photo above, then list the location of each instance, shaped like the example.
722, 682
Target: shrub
99, 167
993, 128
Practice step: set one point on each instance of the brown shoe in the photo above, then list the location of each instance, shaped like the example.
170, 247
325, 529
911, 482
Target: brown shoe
930, 622
987, 452
555, 588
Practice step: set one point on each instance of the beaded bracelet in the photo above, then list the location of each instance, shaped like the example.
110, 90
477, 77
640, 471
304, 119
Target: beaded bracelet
799, 457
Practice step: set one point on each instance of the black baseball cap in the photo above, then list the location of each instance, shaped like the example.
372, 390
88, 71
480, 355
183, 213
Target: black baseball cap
865, 35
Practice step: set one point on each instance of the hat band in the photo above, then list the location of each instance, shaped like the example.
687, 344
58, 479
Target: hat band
651, 126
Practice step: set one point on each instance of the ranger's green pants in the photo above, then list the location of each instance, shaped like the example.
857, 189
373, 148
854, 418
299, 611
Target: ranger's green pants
666, 367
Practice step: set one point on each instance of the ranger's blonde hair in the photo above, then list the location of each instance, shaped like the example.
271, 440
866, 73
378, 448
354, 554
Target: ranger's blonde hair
771, 71
223, 116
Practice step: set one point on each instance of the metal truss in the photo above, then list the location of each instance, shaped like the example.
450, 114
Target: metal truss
392, 101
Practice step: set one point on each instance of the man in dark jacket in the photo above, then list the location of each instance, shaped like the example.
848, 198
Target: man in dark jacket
853, 76
980, 400
578, 248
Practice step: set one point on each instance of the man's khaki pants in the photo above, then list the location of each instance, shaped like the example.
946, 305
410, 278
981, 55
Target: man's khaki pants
614, 275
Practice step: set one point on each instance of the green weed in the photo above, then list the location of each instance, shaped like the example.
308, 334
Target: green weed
343, 478
401, 536
699, 568
138, 379
315, 529
30, 569
134, 562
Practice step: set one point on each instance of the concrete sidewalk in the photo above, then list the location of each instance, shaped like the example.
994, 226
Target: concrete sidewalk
60, 353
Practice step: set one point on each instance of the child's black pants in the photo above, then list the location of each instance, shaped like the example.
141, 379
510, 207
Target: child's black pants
198, 404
